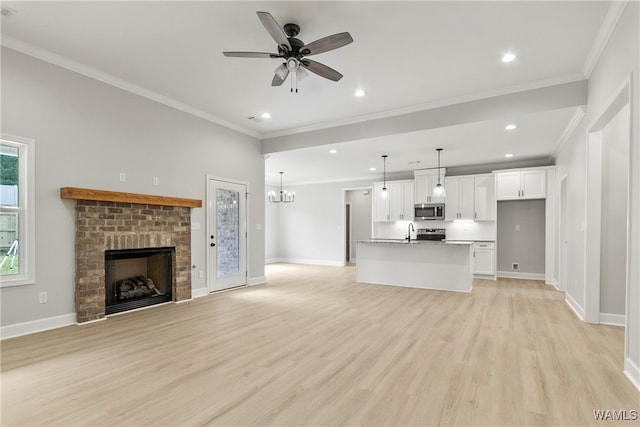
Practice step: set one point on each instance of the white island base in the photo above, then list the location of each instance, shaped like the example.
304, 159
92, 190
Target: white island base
417, 264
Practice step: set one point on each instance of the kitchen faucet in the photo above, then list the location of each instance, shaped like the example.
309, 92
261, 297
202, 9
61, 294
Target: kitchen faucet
409, 229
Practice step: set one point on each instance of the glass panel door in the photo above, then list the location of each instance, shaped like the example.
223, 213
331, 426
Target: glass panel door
227, 237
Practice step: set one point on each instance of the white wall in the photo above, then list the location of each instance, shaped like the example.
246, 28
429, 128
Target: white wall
86, 133
615, 170
619, 60
311, 230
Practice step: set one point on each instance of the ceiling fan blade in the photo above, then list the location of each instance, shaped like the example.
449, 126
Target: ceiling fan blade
321, 69
274, 29
277, 80
251, 54
326, 44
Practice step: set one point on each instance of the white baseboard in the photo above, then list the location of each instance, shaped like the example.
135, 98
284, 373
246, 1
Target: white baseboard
199, 293
485, 277
517, 275
272, 260
612, 319
573, 305
307, 261
256, 280
632, 372
31, 327
554, 283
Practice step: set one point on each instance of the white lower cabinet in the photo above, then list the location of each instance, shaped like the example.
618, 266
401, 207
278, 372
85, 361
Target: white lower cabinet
484, 258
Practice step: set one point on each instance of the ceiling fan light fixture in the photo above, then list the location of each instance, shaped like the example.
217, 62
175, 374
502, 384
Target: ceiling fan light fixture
302, 74
293, 64
282, 71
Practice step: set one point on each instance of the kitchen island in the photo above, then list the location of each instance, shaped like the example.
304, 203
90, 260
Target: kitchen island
439, 265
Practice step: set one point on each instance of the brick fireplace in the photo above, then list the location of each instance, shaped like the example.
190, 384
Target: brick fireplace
106, 224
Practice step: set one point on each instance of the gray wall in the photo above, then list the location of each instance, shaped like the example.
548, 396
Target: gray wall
360, 201
86, 133
619, 60
615, 169
526, 245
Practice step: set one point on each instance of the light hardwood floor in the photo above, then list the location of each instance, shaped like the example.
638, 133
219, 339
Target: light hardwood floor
312, 347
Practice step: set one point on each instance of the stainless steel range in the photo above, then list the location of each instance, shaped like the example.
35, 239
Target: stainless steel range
436, 234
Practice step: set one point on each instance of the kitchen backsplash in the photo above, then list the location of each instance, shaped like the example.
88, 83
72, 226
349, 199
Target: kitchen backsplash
455, 230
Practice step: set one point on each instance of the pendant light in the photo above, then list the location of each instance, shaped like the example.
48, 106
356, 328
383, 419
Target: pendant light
438, 190
284, 196
385, 192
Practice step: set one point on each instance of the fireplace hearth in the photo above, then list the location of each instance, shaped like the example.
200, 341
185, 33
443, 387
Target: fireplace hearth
136, 278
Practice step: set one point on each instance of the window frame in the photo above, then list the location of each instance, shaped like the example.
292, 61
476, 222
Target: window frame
25, 210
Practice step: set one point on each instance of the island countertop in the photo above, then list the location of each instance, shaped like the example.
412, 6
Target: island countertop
418, 242
428, 264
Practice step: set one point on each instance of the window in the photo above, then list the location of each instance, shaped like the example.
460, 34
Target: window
17, 213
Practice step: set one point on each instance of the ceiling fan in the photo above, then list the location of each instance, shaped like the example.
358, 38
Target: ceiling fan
294, 51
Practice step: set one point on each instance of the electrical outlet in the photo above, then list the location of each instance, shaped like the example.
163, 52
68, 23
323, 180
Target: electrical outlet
42, 297
123, 177
200, 274
515, 266
517, 228
156, 181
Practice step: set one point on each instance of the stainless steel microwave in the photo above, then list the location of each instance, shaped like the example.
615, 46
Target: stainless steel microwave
428, 211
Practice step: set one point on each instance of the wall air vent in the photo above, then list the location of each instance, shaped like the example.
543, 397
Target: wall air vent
7, 11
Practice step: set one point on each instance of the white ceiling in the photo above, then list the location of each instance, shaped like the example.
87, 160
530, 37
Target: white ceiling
405, 55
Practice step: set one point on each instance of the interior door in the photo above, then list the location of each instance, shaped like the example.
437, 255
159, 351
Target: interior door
226, 235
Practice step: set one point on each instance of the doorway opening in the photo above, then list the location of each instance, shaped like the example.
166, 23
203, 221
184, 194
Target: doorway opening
357, 221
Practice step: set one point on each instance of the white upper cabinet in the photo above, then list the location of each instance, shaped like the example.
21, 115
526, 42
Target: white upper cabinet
460, 198
398, 205
425, 180
470, 197
485, 197
521, 184
401, 201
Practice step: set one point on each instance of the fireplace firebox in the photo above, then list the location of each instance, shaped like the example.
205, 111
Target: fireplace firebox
136, 278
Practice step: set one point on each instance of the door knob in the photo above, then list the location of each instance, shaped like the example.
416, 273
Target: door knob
213, 244
212, 236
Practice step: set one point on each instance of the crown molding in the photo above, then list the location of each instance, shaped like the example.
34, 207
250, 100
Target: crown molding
604, 34
430, 105
573, 123
61, 61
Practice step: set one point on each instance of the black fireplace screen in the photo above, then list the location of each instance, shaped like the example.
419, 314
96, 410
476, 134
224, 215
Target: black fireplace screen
136, 278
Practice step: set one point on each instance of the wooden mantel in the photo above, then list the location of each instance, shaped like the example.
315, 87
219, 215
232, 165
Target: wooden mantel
117, 196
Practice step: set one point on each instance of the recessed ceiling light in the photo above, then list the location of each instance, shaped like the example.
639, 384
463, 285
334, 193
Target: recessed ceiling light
372, 169
359, 93
333, 151
508, 57
510, 127
508, 155
266, 115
